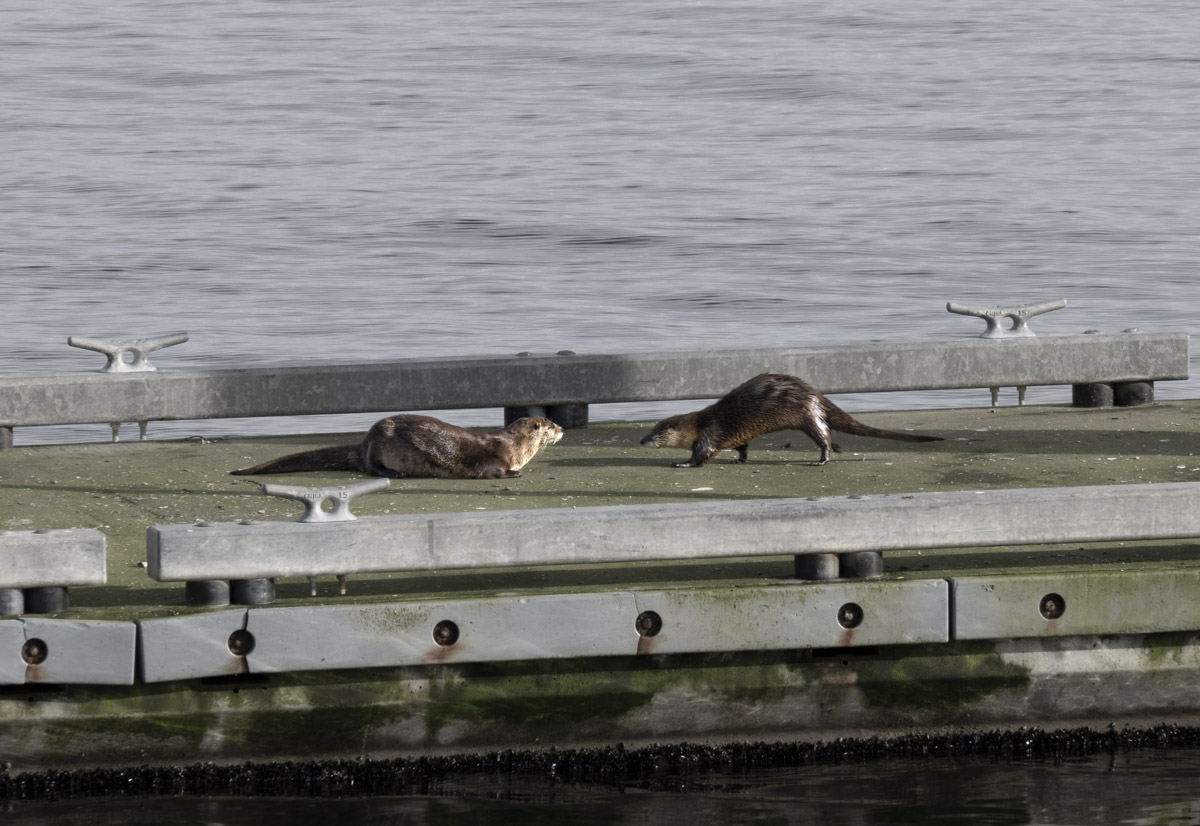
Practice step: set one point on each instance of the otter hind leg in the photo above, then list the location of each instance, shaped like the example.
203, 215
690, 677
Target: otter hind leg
823, 440
495, 470
373, 466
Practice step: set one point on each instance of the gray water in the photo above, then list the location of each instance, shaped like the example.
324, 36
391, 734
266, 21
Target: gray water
1145, 787
340, 181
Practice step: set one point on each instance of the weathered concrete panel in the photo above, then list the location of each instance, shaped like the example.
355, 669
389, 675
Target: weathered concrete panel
798, 616
488, 630
181, 648
789, 615
675, 531
1100, 602
12, 665
36, 559
437, 384
63, 651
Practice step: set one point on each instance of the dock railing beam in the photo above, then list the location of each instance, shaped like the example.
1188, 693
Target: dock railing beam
565, 384
635, 533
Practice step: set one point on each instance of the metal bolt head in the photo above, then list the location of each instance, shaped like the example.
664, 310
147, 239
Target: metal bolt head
241, 643
445, 633
850, 615
1052, 606
34, 651
648, 624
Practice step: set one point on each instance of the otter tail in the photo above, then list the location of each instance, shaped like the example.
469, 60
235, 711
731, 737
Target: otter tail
342, 457
842, 422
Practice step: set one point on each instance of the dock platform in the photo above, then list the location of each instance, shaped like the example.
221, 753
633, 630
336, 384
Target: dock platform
965, 668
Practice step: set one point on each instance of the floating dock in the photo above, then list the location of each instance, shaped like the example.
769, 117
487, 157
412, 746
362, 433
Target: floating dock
1038, 567
565, 654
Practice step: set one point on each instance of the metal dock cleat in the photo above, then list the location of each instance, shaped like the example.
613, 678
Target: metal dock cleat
116, 349
1020, 317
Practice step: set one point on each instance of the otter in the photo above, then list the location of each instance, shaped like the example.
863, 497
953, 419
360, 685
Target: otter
422, 446
764, 404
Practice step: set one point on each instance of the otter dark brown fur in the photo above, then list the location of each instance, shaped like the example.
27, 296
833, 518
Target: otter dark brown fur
764, 404
422, 446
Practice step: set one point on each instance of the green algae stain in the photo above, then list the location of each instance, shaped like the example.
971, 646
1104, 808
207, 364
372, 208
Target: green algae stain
555, 694
936, 678
321, 712
538, 694
1169, 647
184, 732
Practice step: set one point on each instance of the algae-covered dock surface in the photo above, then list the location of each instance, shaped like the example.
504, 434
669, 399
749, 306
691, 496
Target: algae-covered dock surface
123, 488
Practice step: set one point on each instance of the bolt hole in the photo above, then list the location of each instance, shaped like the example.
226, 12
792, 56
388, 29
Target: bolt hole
34, 652
648, 624
1052, 606
850, 615
241, 643
445, 633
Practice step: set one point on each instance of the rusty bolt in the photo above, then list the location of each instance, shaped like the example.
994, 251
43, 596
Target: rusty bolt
1052, 606
850, 615
648, 624
445, 633
34, 652
241, 643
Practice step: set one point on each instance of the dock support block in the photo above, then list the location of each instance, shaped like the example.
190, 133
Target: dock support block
511, 414
569, 416
12, 601
1092, 395
861, 565
1133, 393
817, 566
259, 591
207, 592
50, 600
566, 416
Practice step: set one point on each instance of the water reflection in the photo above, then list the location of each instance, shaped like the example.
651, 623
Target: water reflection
1144, 787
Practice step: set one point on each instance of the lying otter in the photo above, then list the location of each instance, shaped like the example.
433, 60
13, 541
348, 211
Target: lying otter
422, 446
764, 404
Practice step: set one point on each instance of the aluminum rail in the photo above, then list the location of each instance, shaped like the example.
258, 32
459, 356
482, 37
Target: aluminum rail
574, 379
628, 533
35, 559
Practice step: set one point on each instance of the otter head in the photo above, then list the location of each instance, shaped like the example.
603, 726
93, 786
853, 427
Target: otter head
671, 432
526, 436
543, 431
549, 433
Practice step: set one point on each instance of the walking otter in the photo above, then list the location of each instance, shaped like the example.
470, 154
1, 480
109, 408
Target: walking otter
422, 446
764, 404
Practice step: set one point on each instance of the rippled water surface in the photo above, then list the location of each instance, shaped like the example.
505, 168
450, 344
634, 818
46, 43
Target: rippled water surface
1149, 787
310, 180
